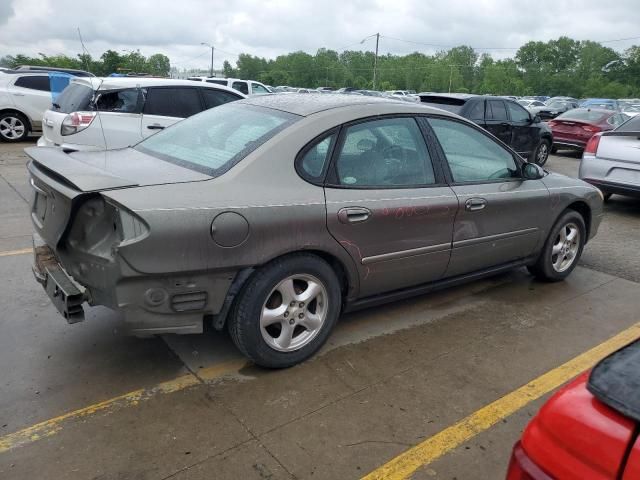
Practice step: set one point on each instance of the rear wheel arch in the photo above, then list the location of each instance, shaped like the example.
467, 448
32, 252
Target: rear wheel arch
243, 276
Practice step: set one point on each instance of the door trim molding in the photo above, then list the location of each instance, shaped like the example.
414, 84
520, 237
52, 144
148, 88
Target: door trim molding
442, 247
491, 238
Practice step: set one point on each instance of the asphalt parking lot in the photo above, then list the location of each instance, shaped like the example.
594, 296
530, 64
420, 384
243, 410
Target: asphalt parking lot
82, 401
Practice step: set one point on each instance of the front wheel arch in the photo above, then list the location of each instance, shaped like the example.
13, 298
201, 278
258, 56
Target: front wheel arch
585, 211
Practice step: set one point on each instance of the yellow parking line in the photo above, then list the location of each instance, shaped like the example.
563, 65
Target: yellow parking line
451, 437
54, 425
22, 251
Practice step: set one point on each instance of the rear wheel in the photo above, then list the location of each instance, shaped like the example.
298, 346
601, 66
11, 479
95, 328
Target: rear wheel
14, 127
563, 248
286, 311
541, 154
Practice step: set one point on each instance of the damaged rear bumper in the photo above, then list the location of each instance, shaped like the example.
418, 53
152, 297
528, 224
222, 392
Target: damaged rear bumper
65, 293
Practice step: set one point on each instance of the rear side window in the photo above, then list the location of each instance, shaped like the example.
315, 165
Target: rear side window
477, 111
123, 101
172, 102
313, 162
617, 119
496, 110
34, 83
217, 139
241, 87
384, 153
76, 97
633, 125
213, 97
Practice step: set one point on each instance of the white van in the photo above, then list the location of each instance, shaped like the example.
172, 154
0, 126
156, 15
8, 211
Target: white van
248, 87
109, 113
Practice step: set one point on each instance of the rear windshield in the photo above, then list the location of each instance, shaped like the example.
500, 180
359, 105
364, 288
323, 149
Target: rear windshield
631, 125
584, 115
215, 140
74, 98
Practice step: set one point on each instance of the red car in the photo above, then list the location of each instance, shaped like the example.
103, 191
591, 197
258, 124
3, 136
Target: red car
589, 429
573, 129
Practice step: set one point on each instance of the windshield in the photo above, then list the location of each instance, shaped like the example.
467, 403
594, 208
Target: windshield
556, 104
216, 139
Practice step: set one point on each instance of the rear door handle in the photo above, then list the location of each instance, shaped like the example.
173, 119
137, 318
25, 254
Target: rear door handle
474, 204
505, 124
155, 126
18, 94
354, 214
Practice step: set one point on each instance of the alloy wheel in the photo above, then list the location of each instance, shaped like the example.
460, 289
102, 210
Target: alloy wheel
12, 128
565, 247
294, 313
543, 153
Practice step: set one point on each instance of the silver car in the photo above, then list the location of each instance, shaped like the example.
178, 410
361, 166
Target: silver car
611, 160
271, 216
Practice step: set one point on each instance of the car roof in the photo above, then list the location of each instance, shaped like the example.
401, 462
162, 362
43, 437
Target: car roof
305, 104
114, 83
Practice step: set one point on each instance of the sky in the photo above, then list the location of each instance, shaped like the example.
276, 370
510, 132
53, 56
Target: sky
269, 28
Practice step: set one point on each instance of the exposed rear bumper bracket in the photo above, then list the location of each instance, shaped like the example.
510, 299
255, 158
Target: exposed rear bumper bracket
64, 294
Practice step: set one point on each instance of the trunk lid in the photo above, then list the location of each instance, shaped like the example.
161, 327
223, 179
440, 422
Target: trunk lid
61, 181
621, 146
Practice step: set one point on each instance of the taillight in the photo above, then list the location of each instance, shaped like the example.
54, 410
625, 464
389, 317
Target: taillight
76, 122
521, 467
591, 128
552, 123
592, 145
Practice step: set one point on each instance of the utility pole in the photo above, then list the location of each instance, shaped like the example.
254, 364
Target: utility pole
450, 76
375, 62
211, 47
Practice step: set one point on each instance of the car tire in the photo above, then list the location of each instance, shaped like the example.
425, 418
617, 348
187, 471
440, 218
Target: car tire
562, 249
14, 127
541, 153
286, 311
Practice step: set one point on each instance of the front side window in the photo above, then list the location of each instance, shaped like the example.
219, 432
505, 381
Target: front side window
241, 87
34, 83
471, 155
257, 88
496, 110
217, 139
172, 102
384, 153
124, 101
518, 114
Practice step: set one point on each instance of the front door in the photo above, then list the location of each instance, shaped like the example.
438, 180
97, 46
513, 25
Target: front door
388, 206
501, 216
497, 121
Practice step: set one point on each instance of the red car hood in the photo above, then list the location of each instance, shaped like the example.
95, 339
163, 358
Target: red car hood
576, 436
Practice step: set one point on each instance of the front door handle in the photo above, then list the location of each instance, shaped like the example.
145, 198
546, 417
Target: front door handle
155, 126
18, 94
354, 214
474, 204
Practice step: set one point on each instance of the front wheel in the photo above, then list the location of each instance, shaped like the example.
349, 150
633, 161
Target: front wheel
286, 311
563, 248
541, 154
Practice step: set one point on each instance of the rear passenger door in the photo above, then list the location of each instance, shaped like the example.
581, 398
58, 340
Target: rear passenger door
164, 106
32, 95
497, 120
388, 204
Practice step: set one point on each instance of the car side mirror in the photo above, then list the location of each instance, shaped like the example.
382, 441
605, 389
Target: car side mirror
532, 171
536, 119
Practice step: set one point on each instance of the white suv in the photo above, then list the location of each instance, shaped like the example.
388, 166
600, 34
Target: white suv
116, 112
247, 87
24, 97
